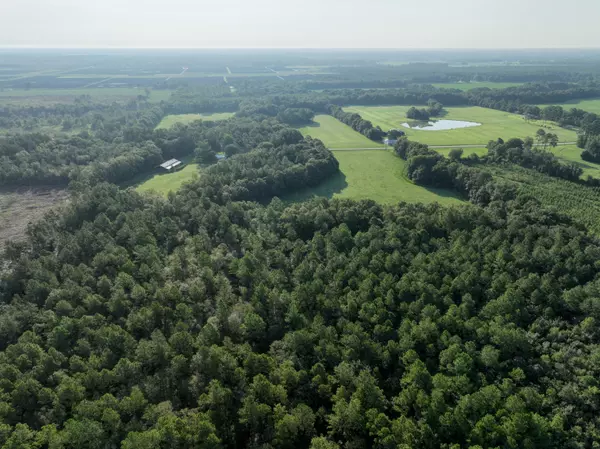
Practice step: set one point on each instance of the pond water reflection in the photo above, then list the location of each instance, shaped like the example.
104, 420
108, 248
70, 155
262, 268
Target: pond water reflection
440, 125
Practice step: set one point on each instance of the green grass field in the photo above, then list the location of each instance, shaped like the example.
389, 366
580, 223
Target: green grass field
469, 86
374, 174
185, 119
335, 134
586, 105
164, 183
570, 153
494, 124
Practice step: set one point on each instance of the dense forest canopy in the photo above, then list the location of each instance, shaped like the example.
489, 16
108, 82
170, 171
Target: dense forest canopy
224, 316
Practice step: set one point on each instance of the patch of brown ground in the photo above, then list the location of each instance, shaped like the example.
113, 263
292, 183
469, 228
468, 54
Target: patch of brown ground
24, 205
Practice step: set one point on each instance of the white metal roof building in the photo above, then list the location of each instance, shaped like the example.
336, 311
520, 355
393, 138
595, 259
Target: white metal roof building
171, 164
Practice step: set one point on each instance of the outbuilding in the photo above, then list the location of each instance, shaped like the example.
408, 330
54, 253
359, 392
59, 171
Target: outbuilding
171, 164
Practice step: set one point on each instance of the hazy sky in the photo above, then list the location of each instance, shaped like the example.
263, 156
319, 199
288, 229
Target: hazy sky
300, 23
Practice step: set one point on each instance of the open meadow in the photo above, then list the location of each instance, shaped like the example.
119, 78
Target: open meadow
335, 134
185, 119
374, 174
164, 183
587, 105
494, 124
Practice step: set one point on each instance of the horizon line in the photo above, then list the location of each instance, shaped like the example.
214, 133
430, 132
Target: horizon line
34, 47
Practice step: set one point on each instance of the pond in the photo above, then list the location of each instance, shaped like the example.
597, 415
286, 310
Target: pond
440, 125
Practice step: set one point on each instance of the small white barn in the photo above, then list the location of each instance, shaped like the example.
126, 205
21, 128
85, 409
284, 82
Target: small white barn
390, 141
171, 164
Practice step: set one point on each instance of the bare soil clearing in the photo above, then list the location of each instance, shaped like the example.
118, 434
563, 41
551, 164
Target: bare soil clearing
19, 207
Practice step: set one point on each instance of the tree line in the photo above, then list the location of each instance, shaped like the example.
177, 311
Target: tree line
357, 123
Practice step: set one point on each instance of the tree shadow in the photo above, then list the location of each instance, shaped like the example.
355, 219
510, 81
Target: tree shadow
327, 189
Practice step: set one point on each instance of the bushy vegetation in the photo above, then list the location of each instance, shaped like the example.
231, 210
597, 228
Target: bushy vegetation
184, 323
220, 317
357, 123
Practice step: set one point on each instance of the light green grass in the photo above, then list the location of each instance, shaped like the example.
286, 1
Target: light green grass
164, 183
186, 119
335, 134
586, 105
494, 124
374, 174
571, 153
469, 86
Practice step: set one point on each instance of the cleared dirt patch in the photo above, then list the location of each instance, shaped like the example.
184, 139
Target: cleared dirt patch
19, 207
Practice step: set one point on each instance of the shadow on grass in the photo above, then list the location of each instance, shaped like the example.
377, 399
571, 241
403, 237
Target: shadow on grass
311, 125
326, 189
445, 193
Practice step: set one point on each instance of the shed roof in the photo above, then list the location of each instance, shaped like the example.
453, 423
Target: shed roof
170, 164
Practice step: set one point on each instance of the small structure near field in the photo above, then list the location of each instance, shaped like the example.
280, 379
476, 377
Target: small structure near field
171, 164
390, 141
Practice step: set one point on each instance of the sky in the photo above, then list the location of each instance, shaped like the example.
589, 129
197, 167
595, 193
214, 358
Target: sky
299, 24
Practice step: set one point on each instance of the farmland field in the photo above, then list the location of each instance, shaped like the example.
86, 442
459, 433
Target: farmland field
571, 153
374, 174
51, 96
494, 124
164, 183
469, 86
586, 105
335, 134
185, 119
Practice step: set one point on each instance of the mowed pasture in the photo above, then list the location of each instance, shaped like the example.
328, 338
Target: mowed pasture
335, 134
186, 119
587, 105
475, 85
378, 175
164, 183
494, 124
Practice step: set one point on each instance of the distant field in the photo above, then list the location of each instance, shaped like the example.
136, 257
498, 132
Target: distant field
169, 182
586, 105
495, 124
335, 134
469, 86
47, 96
170, 120
374, 174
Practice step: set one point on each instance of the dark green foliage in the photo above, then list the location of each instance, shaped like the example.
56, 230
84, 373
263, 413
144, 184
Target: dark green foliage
296, 116
357, 123
418, 114
152, 323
